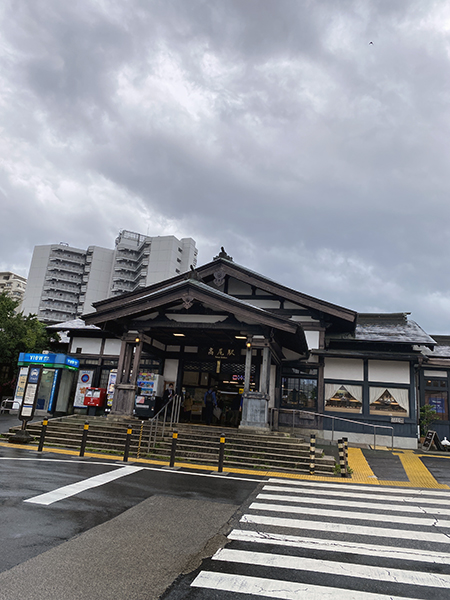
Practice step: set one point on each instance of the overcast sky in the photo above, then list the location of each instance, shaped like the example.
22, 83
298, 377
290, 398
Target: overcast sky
271, 127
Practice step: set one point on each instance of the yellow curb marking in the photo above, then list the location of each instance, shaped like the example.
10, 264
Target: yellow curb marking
362, 473
416, 471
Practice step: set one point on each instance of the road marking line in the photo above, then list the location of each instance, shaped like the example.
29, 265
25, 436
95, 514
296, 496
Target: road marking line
294, 541
266, 559
348, 514
284, 590
359, 487
351, 504
107, 463
81, 486
404, 534
365, 495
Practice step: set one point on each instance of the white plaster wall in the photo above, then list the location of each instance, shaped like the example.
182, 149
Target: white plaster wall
344, 368
431, 373
87, 345
170, 369
112, 347
312, 339
389, 371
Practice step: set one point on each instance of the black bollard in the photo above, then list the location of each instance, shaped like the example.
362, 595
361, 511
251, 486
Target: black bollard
174, 447
84, 438
342, 458
127, 444
345, 440
221, 452
312, 454
42, 438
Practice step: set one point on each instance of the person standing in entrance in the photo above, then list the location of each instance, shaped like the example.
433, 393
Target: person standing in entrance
167, 397
210, 402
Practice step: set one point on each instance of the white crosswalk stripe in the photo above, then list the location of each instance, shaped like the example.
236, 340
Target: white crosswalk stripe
296, 541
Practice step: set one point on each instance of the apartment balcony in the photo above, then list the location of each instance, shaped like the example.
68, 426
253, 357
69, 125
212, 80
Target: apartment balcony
53, 302
62, 268
68, 259
56, 285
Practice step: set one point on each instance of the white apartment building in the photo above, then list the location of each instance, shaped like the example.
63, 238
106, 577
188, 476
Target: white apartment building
13, 285
63, 281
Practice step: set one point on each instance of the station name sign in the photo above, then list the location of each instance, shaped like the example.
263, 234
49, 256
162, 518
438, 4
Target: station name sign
57, 361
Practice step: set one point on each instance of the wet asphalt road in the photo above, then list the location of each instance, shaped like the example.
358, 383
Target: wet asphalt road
128, 538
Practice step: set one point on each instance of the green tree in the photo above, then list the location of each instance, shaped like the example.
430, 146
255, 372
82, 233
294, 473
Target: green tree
17, 334
427, 416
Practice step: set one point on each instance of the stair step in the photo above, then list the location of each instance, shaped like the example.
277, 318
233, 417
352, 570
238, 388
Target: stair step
196, 444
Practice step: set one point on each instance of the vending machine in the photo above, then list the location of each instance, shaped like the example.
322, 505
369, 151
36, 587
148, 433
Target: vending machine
150, 386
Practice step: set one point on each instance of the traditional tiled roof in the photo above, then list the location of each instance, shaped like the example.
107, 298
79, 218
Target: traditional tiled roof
72, 324
388, 328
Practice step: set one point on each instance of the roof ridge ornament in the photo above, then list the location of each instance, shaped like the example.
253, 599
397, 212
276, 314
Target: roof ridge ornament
223, 254
187, 300
193, 274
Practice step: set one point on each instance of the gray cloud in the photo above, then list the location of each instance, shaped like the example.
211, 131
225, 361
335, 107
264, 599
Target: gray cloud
274, 129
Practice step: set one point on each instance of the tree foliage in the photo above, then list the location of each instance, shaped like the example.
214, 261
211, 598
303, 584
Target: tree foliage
427, 416
19, 333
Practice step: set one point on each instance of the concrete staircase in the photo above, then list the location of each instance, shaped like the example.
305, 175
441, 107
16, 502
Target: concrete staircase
196, 444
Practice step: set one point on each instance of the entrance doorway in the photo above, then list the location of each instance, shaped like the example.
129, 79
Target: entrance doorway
46, 390
228, 384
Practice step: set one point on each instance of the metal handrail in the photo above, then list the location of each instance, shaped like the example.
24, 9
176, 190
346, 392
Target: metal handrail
174, 418
296, 410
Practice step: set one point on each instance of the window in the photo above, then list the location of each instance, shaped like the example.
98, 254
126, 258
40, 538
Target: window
439, 401
389, 401
436, 395
299, 393
343, 398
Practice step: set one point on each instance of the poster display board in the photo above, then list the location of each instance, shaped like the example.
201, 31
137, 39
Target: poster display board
110, 389
30, 395
20, 387
83, 384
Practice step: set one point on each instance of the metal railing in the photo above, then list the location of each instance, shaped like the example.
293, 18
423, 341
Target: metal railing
295, 411
165, 416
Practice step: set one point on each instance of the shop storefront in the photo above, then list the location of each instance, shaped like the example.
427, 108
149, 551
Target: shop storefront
56, 374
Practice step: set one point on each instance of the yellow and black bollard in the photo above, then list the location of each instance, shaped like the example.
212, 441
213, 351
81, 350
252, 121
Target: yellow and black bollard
127, 444
84, 438
174, 447
342, 458
221, 452
312, 454
345, 440
42, 438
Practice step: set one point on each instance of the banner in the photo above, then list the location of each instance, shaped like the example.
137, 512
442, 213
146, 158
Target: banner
84, 382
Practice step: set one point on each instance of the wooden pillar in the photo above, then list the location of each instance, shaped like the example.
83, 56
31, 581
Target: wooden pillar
248, 365
121, 362
125, 388
264, 377
136, 362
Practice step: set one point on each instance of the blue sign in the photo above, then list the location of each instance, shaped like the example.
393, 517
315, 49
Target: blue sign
71, 362
50, 359
33, 375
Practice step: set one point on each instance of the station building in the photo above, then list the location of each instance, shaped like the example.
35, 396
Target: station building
298, 360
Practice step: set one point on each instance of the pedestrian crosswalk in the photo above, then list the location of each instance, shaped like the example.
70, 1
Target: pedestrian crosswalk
311, 540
